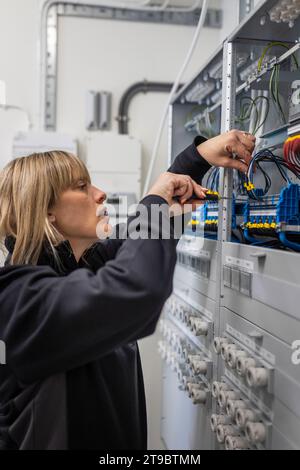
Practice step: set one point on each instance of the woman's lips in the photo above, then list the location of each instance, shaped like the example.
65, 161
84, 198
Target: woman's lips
102, 212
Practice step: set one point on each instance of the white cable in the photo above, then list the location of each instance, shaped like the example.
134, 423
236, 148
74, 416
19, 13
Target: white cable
7, 107
173, 91
207, 119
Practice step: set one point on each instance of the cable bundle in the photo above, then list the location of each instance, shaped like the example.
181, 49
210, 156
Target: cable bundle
213, 180
247, 106
291, 152
275, 76
274, 92
266, 156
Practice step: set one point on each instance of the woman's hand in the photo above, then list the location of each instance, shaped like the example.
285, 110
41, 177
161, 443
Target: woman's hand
231, 150
170, 186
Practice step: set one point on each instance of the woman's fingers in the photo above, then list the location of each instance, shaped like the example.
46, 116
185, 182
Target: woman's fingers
244, 146
248, 140
240, 152
219, 150
191, 192
185, 190
178, 188
237, 164
199, 190
170, 186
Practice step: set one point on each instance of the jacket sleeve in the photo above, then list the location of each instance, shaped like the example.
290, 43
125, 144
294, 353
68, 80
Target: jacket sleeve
51, 324
189, 162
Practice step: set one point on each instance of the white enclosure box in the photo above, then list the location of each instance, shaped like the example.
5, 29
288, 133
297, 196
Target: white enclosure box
33, 142
114, 162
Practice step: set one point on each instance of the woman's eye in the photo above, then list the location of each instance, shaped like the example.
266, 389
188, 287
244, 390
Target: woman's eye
82, 187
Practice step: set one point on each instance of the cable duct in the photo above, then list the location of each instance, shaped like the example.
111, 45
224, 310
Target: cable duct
130, 93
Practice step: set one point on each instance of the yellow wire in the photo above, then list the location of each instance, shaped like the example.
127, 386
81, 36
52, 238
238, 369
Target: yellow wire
291, 139
267, 48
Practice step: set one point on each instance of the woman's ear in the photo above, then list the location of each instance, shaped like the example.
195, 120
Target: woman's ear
51, 218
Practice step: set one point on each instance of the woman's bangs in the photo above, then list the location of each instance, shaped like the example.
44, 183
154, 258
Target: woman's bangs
70, 171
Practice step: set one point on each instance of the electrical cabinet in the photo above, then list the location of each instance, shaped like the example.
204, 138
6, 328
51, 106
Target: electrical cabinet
231, 329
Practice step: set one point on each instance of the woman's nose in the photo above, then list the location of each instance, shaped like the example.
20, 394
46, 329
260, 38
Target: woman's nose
99, 195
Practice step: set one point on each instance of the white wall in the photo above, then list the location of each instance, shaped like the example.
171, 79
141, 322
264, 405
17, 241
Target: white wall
231, 17
110, 55
101, 55
19, 67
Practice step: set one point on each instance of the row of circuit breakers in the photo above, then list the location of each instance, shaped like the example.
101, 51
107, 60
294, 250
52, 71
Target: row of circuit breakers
230, 332
239, 423
232, 382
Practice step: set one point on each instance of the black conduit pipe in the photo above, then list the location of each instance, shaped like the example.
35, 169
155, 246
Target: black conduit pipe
130, 93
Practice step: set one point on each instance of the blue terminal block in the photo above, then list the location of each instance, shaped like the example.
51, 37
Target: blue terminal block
276, 216
205, 220
288, 217
288, 209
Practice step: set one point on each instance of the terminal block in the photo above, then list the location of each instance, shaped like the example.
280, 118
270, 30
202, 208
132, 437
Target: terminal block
205, 220
275, 216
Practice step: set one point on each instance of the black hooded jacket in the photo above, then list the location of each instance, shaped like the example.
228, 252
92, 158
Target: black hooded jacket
73, 376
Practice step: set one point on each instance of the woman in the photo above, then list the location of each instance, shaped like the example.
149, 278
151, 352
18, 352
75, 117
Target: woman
73, 307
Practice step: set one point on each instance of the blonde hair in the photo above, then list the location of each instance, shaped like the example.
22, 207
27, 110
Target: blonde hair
29, 187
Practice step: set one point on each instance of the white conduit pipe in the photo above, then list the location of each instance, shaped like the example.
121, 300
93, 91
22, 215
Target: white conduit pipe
143, 6
45, 5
